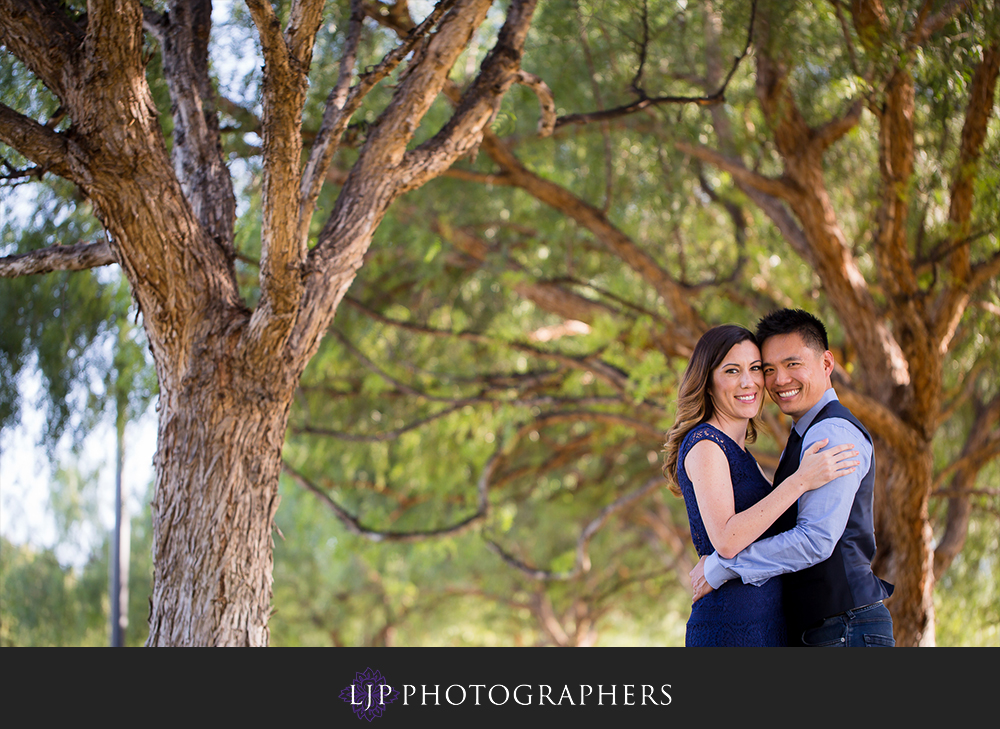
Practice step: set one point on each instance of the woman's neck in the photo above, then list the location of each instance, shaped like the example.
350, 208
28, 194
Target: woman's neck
734, 428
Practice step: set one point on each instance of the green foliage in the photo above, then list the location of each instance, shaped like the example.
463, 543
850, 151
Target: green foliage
57, 317
46, 604
335, 588
73, 327
967, 598
45, 601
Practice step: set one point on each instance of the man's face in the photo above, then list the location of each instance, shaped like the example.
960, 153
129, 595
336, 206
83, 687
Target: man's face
795, 375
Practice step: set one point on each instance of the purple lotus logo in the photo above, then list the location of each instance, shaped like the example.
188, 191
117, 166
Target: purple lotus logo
369, 694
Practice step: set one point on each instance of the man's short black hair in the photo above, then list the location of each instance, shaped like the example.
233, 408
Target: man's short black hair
793, 321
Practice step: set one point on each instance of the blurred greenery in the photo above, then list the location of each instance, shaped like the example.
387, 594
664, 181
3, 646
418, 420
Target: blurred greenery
58, 594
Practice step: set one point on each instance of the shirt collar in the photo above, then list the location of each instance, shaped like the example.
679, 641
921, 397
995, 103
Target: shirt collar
803, 423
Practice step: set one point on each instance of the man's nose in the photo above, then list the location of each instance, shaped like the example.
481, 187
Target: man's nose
779, 376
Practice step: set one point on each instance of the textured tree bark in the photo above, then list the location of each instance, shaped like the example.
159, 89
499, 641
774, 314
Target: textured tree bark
76, 257
227, 374
905, 540
217, 464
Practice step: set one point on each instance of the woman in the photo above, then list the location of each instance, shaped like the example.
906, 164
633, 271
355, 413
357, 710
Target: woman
730, 503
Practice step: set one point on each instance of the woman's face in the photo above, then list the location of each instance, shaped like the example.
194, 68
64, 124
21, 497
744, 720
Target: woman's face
737, 385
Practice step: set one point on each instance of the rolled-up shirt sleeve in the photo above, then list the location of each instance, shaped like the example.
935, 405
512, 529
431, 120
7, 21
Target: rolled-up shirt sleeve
822, 518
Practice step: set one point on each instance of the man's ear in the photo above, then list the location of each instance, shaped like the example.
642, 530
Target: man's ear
828, 363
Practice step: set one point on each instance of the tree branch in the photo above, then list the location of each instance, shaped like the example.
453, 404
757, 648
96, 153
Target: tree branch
51, 151
355, 526
952, 493
978, 453
154, 23
344, 100
982, 446
300, 33
773, 206
646, 102
384, 169
582, 563
385, 435
577, 416
780, 187
643, 50
926, 26
197, 154
851, 54
335, 120
831, 131
587, 363
829, 253
372, 367
545, 294
955, 297
547, 118
24, 22
676, 297
879, 419
984, 271
114, 39
479, 104
891, 240
286, 66
79, 257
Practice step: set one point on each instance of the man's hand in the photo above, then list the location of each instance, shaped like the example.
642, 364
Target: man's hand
699, 585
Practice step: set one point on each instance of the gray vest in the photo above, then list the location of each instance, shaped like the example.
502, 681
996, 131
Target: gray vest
845, 580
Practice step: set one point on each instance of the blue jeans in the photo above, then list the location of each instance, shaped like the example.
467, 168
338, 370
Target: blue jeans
866, 627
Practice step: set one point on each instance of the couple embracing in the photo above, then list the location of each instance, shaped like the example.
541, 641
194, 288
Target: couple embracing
788, 563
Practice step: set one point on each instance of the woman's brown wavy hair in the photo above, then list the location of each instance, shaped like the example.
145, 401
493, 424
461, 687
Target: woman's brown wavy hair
694, 396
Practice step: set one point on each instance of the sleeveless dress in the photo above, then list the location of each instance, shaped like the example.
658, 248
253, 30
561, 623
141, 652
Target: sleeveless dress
736, 614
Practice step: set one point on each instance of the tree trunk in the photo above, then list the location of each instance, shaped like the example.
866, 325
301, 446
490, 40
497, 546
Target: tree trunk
905, 549
217, 464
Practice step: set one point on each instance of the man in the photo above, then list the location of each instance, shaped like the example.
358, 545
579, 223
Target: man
832, 598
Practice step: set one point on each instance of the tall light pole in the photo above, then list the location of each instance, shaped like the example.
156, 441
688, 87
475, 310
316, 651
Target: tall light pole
119, 547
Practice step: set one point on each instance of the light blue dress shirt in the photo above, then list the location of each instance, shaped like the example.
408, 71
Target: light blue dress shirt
822, 515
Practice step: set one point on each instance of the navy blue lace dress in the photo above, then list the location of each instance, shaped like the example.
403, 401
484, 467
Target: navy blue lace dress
736, 614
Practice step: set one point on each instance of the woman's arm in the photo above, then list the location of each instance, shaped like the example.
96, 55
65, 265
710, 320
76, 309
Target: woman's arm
729, 532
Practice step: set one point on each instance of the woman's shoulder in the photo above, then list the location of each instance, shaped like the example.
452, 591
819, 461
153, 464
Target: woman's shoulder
705, 447
704, 432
